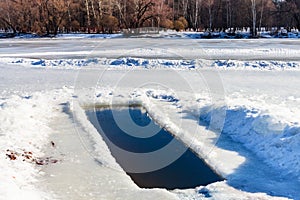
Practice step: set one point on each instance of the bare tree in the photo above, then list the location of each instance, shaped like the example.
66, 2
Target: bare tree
210, 4
195, 15
5, 15
52, 16
253, 12
138, 12
228, 14
294, 7
88, 15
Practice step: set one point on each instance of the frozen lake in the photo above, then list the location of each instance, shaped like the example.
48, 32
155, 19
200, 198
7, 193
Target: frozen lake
239, 111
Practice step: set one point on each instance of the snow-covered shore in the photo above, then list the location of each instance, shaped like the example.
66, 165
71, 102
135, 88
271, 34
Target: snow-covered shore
244, 123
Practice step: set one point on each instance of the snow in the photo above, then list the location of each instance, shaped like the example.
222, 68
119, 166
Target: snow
88, 36
157, 63
19, 133
234, 104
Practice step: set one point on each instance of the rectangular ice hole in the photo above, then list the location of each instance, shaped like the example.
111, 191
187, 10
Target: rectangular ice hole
188, 171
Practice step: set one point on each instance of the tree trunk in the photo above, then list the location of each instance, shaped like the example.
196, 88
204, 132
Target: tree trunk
210, 18
261, 14
253, 9
196, 14
88, 15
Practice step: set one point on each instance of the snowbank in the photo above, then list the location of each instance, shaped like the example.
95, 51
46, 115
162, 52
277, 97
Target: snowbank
24, 133
275, 142
130, 62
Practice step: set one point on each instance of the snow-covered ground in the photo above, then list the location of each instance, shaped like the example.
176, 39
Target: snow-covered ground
234, 102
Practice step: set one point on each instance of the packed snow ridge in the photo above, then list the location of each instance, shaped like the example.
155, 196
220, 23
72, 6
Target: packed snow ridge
275, 142
155, 63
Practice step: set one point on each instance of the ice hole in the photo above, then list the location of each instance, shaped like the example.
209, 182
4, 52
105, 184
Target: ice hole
188, 171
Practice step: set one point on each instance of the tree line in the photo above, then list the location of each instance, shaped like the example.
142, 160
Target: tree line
46, 17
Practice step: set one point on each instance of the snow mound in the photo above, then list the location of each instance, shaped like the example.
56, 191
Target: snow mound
268, 65
276, 142
159, 95
152, 63
143, 63
53, 63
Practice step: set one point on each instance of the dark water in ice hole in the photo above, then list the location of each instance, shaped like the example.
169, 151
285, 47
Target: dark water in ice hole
188, 171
